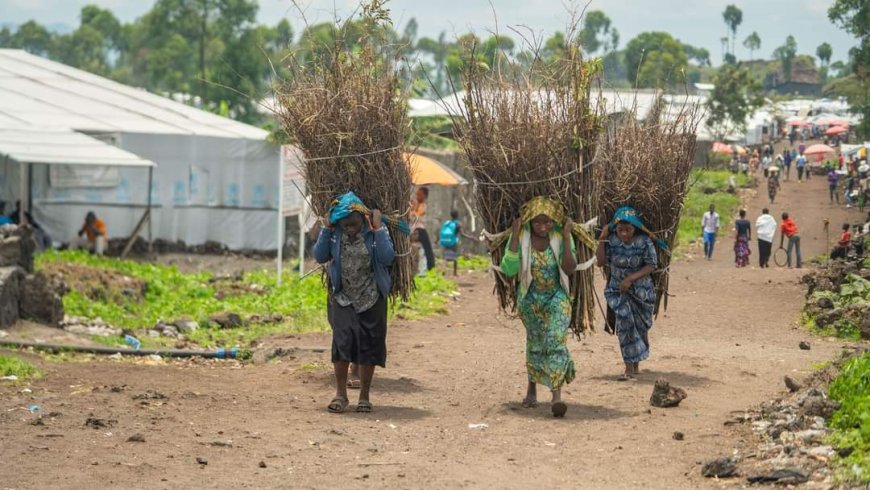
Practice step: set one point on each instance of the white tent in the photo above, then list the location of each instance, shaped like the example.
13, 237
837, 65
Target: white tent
216, 179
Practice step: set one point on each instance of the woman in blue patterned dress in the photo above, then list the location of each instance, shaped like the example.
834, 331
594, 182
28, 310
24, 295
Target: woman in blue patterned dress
541, 253
630, 294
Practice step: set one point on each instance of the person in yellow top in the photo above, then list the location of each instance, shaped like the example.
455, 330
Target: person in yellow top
540, 253
418, 225
93, 234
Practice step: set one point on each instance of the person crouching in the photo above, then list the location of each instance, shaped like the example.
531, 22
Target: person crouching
359, 254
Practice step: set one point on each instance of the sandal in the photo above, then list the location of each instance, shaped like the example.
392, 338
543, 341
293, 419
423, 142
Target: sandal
338, 405
625, 377
354, 384
364, 407
529, 403
559, 409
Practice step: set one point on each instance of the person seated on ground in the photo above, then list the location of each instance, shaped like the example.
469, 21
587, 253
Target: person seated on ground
93, 235
842, 248
42, 239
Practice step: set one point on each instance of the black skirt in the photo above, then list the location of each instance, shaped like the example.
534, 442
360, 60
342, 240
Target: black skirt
360, 338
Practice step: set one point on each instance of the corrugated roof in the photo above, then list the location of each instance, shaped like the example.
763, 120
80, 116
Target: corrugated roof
28, 144
44, 93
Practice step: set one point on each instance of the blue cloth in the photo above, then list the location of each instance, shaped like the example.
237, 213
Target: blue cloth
634, 309
344, 206
327, 250
4, 220
630, 215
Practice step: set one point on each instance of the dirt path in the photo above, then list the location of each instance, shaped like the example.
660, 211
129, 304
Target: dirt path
728, 338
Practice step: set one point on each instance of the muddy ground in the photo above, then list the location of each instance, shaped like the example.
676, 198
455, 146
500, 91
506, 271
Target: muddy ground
728, 338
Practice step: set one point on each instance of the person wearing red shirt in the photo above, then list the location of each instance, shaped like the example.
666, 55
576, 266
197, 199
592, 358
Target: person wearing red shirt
842, 248
789, 229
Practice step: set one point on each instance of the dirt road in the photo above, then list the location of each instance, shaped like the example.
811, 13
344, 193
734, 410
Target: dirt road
728, 338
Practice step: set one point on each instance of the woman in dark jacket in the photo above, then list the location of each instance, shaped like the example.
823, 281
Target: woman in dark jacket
359, 254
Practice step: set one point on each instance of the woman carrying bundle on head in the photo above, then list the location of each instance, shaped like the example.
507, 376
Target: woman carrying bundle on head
359, 254
626, 246
540, 253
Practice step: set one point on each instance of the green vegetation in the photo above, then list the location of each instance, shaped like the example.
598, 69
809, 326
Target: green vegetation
477, 263
709, 187
854, 291
851, 422
171, 295
14, 366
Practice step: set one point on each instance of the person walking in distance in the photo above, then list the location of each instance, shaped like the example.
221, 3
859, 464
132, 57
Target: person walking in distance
418, 224
710, 226
789, 229
742, 239
833, 182
773, 184
765, 229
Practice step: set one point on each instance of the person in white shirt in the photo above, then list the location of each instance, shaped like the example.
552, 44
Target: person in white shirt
766, 164
710, 226
765, 229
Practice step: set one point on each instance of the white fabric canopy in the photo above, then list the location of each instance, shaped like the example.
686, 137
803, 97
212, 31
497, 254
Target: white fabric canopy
26, 144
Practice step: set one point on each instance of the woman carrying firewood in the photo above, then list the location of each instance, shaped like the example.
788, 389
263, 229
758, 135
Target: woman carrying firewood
359, 254
626, 247
541, 252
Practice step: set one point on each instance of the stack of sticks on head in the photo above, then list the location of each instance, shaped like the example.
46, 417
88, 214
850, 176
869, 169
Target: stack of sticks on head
345, 108
647, 165
530, 131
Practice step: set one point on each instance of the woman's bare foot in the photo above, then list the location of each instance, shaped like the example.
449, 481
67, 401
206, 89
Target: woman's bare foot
559, 407
531, 399
636, 368
629, 372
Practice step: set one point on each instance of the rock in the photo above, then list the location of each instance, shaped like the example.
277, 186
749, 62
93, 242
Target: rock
804, 345
811, 436
153, 334
828, 317
201, 461
186, 325
723, 467
227, 320
262, 464
819, 406
825, 452
41, 300
781, 477
96, 423
664, 395
170, 331
825, 303
10, 293
792, 385
679, 436
17, 246
136, 438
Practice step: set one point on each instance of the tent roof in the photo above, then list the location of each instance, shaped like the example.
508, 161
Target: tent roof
44, 93
28, 144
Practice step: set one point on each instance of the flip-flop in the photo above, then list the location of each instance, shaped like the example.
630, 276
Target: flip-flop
364, 407
527, 403
559, 409
354, 384
625, 377
338, 405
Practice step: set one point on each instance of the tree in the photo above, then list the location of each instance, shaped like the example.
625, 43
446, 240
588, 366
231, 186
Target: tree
655, 59
853, 16
752, 43
33, 38
786, 54
104, 22
699, 55
733, 18
724, 42
597, 33
824, 53
735, 96
285, 35
438, 49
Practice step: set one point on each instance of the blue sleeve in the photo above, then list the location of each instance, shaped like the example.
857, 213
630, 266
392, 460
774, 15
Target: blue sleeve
649, 254
323, 246
384, 247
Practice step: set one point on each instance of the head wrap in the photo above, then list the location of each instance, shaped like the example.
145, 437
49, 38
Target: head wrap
543, 206
629, 215
348, 203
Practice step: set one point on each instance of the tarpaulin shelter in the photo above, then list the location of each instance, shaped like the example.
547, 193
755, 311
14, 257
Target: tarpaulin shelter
215, 179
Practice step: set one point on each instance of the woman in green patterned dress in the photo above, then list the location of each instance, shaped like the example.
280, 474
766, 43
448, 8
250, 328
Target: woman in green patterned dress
541, 253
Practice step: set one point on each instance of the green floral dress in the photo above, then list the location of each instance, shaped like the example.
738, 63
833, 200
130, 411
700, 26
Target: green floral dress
546, 313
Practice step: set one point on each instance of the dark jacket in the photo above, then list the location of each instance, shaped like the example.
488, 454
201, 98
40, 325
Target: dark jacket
327, 250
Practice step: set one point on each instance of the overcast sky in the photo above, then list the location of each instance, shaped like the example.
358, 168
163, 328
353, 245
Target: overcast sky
697, 22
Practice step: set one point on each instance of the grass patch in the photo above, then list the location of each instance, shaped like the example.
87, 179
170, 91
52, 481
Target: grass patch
851, 422
698, 202
171, 294
476, 263
14, 366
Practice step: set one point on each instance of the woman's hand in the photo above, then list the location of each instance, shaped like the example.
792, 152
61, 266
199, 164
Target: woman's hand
375, 221
605, 232
516, 227
568, 228
625, 285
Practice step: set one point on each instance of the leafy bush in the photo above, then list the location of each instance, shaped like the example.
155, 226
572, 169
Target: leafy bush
13, 366
851, 423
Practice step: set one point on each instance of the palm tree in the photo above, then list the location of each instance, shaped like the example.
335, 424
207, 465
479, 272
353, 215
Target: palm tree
733, 18
824, 53
439, 50
752, 43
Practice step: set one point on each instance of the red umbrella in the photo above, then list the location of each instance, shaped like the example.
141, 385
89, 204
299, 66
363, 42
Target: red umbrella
819, 150
834, 130
798, 123
722, 148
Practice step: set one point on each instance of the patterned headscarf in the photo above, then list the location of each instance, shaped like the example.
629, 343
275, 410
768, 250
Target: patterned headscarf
546, 206
629, 215
348, 203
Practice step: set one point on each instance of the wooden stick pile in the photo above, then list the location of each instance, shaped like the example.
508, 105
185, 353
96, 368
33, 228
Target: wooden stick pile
647, 165
346, 111
532, 133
